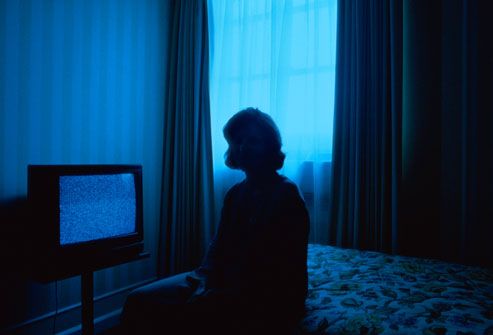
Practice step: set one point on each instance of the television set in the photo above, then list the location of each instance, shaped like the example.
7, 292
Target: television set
82, 215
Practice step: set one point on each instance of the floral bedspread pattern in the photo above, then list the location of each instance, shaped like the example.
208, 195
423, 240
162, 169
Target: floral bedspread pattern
362, 292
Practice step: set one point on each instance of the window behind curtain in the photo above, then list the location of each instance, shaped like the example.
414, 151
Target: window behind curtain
278, 56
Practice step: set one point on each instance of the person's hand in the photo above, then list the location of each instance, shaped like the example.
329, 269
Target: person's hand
200, 292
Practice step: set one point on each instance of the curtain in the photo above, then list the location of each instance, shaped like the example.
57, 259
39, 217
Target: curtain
471, 98
187, 190
278, 56
448, 131
413, 129
367, 125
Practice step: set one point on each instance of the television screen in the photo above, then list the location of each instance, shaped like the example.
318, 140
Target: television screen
95, 207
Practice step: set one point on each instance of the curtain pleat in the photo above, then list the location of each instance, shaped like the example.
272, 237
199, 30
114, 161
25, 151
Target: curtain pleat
368, 107
187, 207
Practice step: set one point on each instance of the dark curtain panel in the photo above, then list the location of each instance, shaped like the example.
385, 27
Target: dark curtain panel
448, 131
187, 198
367, 125
413, 145
421, 134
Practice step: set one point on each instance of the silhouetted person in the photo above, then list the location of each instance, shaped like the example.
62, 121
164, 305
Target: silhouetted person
253, 279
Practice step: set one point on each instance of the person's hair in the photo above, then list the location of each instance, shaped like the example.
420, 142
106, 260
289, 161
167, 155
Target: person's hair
253, 118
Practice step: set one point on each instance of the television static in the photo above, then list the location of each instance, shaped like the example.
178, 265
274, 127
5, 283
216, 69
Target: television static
94, 207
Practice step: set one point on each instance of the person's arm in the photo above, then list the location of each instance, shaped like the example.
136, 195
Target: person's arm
213, 263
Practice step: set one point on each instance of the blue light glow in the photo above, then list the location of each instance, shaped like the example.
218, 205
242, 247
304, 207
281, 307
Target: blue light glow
278, 56
95, 207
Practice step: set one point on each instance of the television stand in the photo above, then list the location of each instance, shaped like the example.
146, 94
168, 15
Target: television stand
87, 301
53, 268
87, 288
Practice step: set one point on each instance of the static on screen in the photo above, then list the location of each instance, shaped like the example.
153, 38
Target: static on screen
94, 207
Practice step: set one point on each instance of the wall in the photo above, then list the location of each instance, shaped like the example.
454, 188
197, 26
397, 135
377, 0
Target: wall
81, 82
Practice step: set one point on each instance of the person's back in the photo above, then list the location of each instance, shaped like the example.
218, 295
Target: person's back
259, 253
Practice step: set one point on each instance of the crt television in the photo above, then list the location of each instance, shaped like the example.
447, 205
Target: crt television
84, 212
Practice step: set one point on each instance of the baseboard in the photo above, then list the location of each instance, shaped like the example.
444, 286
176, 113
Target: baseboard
101, 324
107, 309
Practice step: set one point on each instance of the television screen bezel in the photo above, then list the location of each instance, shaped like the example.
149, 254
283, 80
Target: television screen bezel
51, 175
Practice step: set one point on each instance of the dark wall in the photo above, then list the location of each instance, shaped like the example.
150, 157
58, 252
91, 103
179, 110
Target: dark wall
81, 82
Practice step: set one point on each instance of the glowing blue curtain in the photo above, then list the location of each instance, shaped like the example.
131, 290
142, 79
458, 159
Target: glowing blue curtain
278, 56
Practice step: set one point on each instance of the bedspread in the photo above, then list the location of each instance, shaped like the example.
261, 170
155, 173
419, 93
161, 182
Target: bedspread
361, 292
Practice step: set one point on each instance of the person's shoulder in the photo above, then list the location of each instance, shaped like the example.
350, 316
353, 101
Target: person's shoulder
287, 185
288, 188
237, 187
234, 190
292, 202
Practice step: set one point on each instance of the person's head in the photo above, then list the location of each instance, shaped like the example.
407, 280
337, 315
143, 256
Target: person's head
254, 142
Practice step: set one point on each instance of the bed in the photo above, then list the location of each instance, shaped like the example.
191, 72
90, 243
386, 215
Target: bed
361, 292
